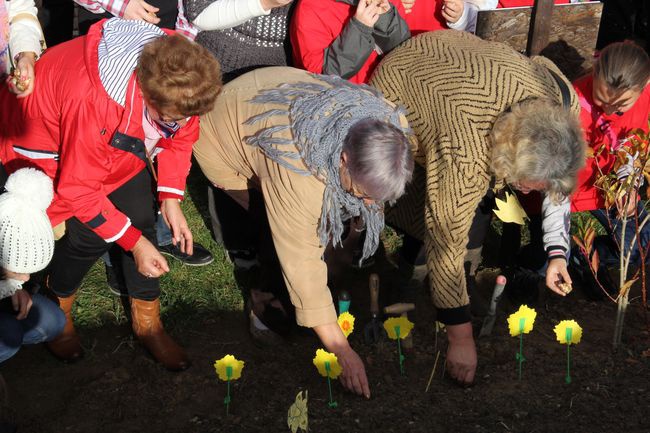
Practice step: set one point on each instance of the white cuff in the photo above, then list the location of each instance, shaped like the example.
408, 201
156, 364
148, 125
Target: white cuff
9, 286
224, 14
25, 36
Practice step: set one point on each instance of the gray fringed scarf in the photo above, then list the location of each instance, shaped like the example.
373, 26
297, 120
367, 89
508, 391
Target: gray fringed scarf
320, 117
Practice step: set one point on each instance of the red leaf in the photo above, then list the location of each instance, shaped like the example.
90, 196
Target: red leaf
595, 261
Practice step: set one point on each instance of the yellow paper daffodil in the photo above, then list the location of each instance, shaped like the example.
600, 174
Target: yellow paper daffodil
404, 324
515, 321
297, 417
231, 363
510, 211
568, 332
346, 323
324, 359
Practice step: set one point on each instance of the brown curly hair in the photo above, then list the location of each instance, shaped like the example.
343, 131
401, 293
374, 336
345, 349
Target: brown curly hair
178, 77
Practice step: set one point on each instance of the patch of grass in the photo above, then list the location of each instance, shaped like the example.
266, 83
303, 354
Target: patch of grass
185, 290
392, 240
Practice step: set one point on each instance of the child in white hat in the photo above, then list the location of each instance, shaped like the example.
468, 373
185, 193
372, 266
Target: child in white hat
26, 246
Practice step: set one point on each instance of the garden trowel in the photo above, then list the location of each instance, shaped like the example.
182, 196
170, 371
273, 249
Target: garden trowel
488, 322
373, 330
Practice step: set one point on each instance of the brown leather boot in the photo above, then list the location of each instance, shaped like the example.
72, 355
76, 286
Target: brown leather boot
67, 345
145, 317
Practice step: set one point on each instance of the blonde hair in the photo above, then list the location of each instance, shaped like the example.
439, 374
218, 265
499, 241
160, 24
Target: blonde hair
179, 77
623, 65
537, 140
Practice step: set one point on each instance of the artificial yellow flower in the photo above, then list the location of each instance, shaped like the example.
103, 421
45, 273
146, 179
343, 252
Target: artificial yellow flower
346, 322
298, 417
514, 321
221, 367
404, 324
561, 332
510, 211
323, 357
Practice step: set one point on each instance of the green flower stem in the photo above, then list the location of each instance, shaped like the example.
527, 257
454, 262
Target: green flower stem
569, 336
520, 355
399, 350
332, 403
227, 399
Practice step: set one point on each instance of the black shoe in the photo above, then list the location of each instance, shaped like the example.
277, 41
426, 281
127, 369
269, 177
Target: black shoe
201, 256
244, 259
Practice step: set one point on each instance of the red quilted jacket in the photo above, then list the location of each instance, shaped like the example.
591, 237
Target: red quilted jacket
85, 141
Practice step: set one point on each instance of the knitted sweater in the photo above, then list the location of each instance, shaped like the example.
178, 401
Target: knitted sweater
454, 86
259, 41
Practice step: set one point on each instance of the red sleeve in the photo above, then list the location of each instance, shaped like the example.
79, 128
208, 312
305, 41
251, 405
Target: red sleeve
175, 161
312, 30
84, 165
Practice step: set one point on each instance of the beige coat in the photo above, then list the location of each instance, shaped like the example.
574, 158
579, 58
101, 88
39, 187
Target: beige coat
293, 202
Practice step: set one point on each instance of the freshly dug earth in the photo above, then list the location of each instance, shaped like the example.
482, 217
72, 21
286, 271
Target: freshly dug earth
117, 387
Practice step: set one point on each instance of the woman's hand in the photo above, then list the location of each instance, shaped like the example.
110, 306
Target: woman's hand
626, 207
368, 12
21, 83
452, 10
556, 274
22, 302
353, 376
148, 259
461, 353
267, 5
171, 211
141, 10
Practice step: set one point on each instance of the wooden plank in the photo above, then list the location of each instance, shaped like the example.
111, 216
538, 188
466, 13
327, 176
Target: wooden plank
572, 40
540, 26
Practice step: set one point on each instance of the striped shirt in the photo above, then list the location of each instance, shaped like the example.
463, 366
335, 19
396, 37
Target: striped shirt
119, 51
118, 7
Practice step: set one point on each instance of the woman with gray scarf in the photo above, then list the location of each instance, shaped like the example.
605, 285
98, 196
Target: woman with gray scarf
321, 151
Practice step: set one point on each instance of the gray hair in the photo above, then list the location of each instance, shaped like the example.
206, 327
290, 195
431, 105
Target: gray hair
537, 140
379, 158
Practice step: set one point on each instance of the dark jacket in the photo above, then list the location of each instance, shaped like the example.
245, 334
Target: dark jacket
327, 39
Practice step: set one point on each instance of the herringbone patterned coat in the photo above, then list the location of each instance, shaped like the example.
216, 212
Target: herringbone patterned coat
454, 86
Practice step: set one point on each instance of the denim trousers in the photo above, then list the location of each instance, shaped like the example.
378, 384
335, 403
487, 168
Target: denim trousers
163, 232
44, 322
608, 250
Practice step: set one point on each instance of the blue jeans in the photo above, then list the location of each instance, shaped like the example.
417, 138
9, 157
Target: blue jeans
608, 251
44, 322
163, 232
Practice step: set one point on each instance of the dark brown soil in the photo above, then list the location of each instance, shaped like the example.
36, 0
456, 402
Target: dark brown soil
117, 387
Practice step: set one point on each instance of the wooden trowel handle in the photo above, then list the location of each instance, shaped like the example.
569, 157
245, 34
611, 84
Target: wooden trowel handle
373, 283
400, 308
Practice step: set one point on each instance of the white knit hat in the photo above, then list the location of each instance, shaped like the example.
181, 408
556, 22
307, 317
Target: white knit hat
26, 238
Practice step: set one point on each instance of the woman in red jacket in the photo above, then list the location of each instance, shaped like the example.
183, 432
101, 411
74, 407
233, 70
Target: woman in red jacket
614, 99
107, 106
345, 37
